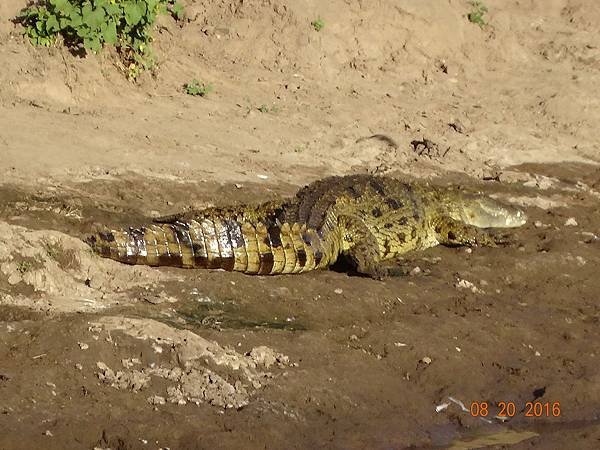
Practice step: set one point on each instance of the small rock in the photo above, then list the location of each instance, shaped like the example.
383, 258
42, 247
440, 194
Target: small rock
580, 261
441, 407
571, 222
175, 395
338, 291
128, 363
538, 224
78, 366
415, 271
14, 278
157, 348
541, 182
465, 284
267, 357
83, 345
458, 126
589, 237
468, 250
156, 400
426, 360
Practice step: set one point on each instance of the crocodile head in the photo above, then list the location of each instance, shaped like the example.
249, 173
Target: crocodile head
485, 212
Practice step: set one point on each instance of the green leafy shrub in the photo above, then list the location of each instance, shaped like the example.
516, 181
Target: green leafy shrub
477, 13
318, 24
88, 25
195, 87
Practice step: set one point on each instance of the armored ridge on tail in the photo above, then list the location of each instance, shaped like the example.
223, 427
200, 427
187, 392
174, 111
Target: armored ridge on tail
370, 219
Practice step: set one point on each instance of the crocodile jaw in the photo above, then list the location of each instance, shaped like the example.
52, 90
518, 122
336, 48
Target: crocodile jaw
485, 212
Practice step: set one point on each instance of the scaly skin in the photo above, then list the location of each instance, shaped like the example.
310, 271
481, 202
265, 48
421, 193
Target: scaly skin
372, 220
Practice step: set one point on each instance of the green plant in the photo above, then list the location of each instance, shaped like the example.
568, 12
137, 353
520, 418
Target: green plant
66, 258
273, 109
177, 10
88, 25
195, 87
318, 24
24, 266
477, 13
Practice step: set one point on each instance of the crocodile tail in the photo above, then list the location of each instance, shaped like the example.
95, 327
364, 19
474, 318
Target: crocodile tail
217, 243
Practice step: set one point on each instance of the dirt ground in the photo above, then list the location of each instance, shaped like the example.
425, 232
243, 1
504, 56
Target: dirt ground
96, 354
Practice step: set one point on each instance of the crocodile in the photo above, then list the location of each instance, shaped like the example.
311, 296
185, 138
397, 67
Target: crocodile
368, 220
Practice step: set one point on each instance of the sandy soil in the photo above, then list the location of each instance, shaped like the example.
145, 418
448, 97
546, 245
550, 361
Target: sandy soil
98, 354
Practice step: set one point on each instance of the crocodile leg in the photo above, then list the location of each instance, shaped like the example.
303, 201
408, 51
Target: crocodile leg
360, 244
370, 264
451, 232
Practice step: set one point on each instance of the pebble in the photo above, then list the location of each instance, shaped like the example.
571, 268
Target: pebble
466, 284
415, 271
571, 222
589, 237
157, 348
128, 363
441, 407
83, 345
14, 278
156, 400
426, 360
538, 224
338, 291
